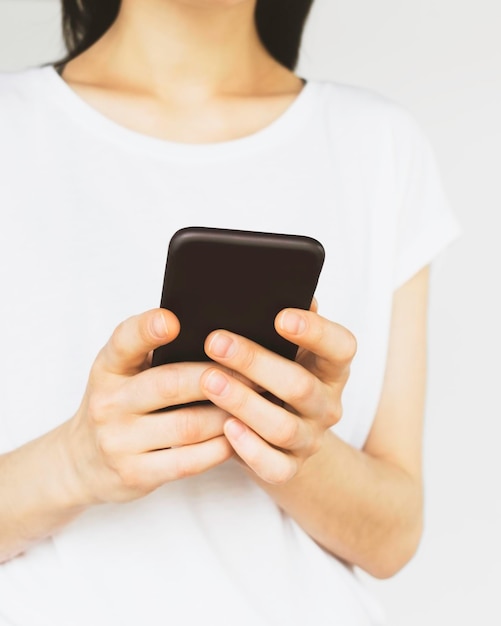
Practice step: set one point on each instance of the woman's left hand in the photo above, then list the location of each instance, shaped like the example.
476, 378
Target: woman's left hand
273, 439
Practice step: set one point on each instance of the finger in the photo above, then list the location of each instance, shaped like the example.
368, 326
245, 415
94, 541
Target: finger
333, 345
168, 385
314, 305
180, 427
163, 386
269, 420
285, 379
162, 466
270, 464
129, 346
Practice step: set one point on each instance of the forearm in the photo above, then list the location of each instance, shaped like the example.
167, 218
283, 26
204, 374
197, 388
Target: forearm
37, 493
364, 510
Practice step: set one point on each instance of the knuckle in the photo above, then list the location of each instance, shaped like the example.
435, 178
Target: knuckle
167, 386
182, 468
254, 458
287, 433
239, 402
334, 412
348, 347
302, 388
317, 332
117, 340
285, 472
317, 335
130, 477
246, 357
98, 409
99, 361
107, 444
187, 427
314, 445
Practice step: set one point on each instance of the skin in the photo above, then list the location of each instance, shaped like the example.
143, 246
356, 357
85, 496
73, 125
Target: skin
161, 70
364, 506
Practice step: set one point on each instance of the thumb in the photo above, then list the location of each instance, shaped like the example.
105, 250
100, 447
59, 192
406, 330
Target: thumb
132, 341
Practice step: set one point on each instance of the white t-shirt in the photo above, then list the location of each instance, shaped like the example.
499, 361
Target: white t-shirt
87, 208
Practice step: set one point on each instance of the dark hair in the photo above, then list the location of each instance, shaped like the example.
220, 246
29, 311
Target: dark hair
280, 25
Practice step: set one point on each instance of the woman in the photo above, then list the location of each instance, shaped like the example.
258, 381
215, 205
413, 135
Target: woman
165, 114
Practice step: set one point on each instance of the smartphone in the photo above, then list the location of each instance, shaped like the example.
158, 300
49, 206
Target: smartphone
235, 280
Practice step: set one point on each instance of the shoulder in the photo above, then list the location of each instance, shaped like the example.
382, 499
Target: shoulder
357, 101
373, 132
365, 113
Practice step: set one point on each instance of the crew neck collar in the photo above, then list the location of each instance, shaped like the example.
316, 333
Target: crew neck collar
279, 130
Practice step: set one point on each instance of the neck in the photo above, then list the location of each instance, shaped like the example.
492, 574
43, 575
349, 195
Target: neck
202, 46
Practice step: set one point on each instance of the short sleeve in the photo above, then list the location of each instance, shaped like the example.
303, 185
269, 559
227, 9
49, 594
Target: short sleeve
426, 223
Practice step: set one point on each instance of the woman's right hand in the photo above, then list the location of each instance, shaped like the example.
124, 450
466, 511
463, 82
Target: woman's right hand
120, 449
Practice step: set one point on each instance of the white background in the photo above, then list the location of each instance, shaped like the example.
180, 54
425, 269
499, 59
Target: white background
442, 60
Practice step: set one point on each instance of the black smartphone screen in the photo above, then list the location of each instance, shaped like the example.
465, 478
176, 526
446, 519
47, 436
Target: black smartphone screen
238, 281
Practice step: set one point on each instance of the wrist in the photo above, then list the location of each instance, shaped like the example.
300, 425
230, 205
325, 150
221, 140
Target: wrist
38, 493
72, 491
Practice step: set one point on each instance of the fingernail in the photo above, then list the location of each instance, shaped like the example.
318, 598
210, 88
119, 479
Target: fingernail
159, 326
221, 345
292, 323
216, 383
234, 428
